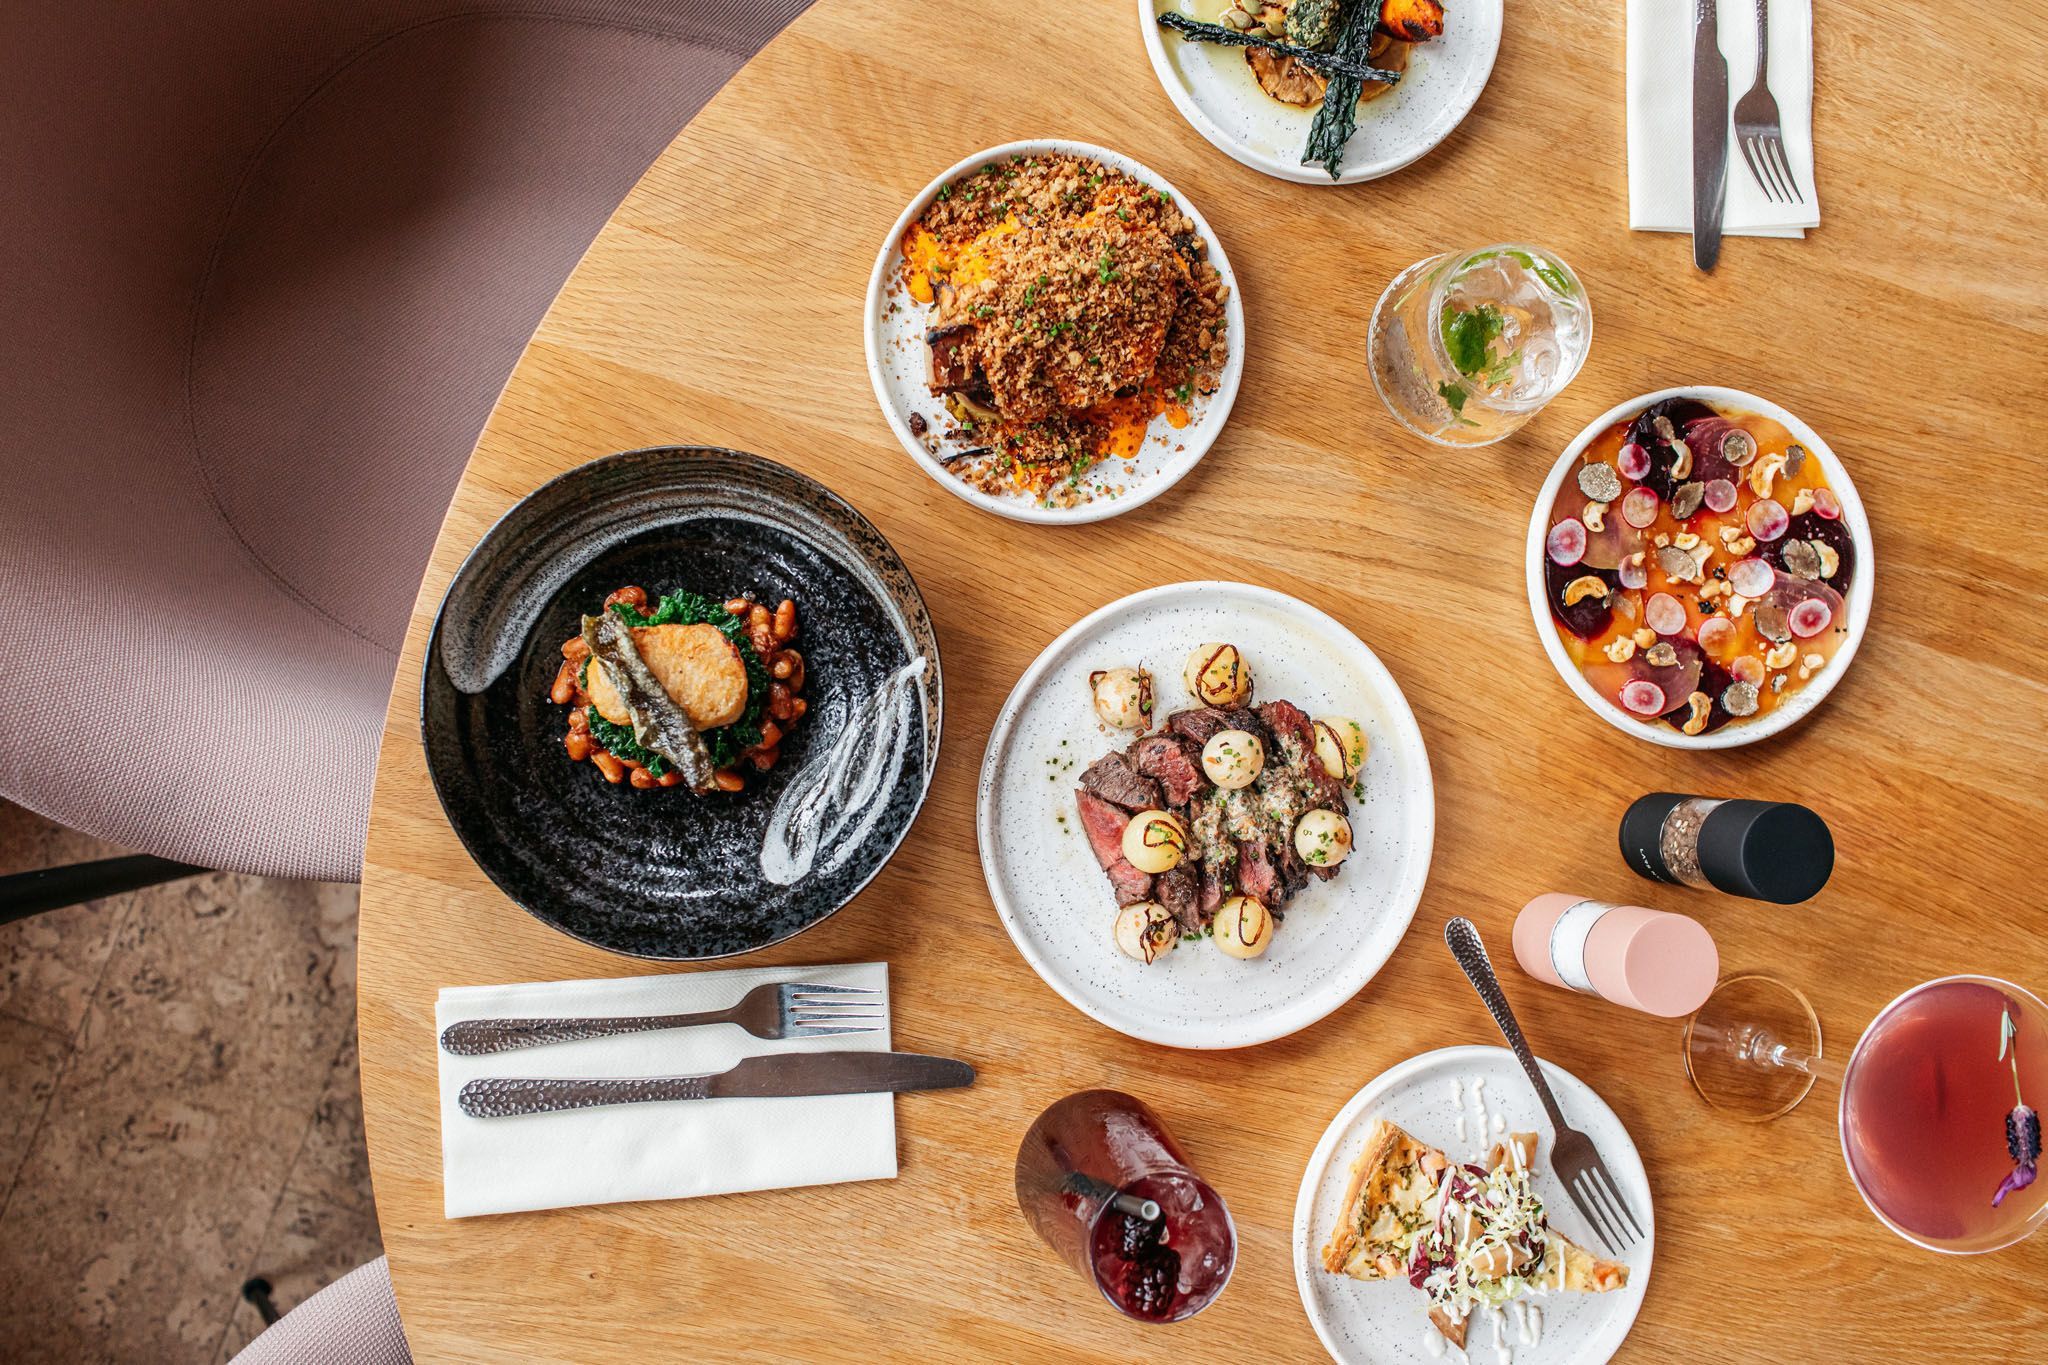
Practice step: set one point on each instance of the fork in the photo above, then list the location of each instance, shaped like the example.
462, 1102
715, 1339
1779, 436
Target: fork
1757, 128
1573, 1156
793, 1009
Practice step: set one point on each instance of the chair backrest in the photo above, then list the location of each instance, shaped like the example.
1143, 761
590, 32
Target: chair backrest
353, 1321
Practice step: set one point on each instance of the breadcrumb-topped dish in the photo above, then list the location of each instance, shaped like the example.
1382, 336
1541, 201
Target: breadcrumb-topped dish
1069, 306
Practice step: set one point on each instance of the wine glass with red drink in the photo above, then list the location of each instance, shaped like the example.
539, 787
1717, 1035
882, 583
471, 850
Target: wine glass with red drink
1938, 1124
1103, 1184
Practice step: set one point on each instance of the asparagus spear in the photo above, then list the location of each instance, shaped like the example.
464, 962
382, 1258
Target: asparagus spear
1329, 64
1337, 119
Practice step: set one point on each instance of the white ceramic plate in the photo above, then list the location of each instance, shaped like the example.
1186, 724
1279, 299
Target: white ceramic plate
895, 327
1802, 702
1387, 1322
1214, 90
1055, 900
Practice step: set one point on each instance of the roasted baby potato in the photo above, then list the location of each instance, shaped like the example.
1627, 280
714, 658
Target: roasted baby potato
1412, 21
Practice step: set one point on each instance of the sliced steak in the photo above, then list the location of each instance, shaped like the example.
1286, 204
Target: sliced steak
1104, 826
1295, 735
1293, 871
1174, 762
1179, 891
1112, 778
1202, 723
1130, 885
1215, 886
1255, 874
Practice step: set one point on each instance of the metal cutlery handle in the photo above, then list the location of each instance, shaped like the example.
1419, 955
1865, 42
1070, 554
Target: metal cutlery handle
1463, 938
480, 1037
1763, 39
504, 1096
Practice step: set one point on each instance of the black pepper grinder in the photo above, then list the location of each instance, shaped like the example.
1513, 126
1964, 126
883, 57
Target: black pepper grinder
1765, 850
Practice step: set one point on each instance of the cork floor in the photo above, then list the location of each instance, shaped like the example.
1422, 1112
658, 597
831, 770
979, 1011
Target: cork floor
179, 1110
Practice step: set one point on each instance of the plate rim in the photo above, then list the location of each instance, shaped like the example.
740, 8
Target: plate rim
1199, 120
1302, 1236
1214, 416
1315, 1008
432, 656
1861, 596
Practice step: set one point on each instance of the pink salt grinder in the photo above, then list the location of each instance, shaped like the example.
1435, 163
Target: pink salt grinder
1648, 960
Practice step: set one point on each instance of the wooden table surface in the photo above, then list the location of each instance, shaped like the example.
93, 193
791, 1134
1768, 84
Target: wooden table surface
723, 305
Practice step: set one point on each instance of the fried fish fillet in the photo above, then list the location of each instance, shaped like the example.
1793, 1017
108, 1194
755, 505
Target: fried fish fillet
696, 665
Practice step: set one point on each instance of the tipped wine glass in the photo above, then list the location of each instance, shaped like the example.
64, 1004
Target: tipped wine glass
1937, 1127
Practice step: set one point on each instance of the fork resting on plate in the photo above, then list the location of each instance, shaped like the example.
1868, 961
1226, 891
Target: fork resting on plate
1572, 1156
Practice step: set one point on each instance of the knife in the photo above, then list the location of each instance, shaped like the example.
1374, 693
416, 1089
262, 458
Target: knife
776, 1075
1709, 134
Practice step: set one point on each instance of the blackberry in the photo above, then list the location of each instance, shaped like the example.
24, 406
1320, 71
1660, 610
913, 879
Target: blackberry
1135, 1236
1149, 1285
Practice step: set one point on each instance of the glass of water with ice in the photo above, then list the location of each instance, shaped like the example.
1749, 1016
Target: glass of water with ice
1467, 346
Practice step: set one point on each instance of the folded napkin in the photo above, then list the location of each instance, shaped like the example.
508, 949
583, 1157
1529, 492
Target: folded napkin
1660, 115
660, 1150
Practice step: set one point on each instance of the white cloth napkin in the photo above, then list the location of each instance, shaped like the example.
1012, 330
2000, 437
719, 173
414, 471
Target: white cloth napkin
1660, 115
662, 1150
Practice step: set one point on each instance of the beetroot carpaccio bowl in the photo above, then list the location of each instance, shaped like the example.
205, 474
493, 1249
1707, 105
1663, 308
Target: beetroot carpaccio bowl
1702, 567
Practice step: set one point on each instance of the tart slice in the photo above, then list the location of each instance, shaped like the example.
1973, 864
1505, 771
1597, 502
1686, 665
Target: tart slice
1390, 1200
1467, 1235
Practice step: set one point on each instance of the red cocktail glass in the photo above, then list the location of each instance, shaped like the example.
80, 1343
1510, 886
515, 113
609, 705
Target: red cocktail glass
1104, 1185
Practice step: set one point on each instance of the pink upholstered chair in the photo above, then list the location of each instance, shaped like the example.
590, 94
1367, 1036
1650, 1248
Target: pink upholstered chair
270, 262
353, 1321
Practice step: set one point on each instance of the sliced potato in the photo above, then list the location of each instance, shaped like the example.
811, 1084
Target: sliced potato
696, 665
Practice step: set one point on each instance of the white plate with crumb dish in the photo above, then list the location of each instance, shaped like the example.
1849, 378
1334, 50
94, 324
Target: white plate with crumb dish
1052, 892
1462, 1100
1215, 91
899, 368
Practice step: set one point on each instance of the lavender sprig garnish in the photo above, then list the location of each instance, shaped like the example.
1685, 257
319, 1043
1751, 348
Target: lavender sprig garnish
2022, 1125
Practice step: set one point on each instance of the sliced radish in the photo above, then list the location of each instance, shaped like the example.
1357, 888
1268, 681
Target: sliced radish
1634, 461
1639, 508
1664, 614
1634, 575
1643, 698
1751, 577
1567, 544
1720, 495
1749, 669
1768, 519
1810, 618
1826, 504
1716, 632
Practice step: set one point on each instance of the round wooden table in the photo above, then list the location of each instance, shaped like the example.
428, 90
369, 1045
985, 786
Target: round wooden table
723, 305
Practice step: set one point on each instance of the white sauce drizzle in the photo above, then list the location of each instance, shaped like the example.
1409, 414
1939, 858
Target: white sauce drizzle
1461, 1128
1433, 1341
1457, 1093
839, 787
1500, 1125
1528, 1323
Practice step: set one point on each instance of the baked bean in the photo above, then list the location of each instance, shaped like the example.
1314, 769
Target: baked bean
795, 676
785, 621
579, 744
608, 764
726, 780
640, 777
564, 690
764, 759
797, 706
771, 735
668, 779
634, 597
579, 720
575, 650
739, 606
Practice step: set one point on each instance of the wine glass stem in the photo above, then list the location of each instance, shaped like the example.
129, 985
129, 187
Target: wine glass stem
1758, 1047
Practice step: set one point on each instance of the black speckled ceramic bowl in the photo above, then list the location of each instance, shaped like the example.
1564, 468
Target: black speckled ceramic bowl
664, 873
